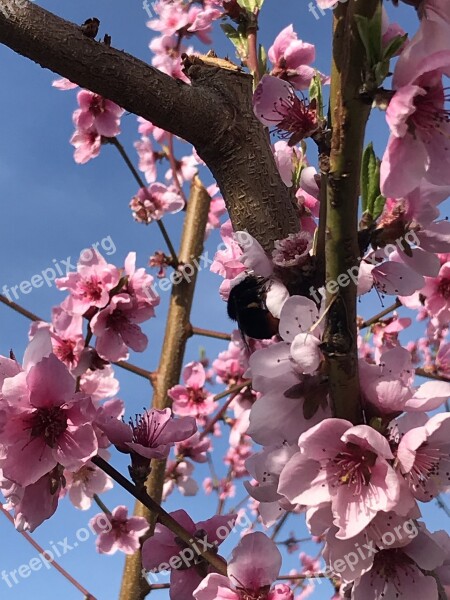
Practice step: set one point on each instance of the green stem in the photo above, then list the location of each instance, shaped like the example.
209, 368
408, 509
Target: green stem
349, 114
101, 505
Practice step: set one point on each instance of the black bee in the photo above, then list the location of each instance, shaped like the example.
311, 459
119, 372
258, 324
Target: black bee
90, 27
247, 306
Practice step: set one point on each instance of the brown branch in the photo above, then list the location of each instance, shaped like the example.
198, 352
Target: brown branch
424, 373
218, 335
134, 586
32, 317
380, 315
214, 114
50, 559
162, 515
349, 116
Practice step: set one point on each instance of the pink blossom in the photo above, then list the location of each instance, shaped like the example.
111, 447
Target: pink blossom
147, 163
418, 119
49, 423
84, 483
116, 328
98, 113
117, 531
151, 434
423, 457
152, 203
401, 572
91, 284
254, 566
292, 251
291, 59
163, 550
35, 503
191, 398
217, 208
87, 145
99, 384
195, 447
348, 466
276, 105
178, 475
64, 84
227, 262
186, 168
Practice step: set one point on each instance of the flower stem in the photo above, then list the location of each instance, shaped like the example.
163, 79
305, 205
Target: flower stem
115, 142
101, 505
163, 516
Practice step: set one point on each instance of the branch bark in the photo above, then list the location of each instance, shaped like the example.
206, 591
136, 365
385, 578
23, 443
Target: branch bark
134, 586
214, 113
349, 116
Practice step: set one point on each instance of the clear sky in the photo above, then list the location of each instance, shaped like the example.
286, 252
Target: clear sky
53, 208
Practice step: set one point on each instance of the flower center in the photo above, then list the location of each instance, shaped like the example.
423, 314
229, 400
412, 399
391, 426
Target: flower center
354, 467
427, 467
91, 289
431, 113
48, 424
444, 288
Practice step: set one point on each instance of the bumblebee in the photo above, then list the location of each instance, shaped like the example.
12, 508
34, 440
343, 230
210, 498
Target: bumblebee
247, 306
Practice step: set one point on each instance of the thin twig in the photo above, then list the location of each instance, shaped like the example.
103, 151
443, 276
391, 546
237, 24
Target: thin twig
163, 516
50, 559
210, 333
115, 142
150, 375
380, 315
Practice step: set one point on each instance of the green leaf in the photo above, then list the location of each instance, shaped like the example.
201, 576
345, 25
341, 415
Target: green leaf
394, 46
370, 180
315, 93
370, 31
237, 38
378, 206
251, 5
262, 60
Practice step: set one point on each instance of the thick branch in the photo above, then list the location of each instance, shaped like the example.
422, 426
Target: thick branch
214, 114
349, 116
134, 586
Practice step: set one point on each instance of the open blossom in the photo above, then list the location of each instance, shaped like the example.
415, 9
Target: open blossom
276, 104
291, 58
152, 203
151, 435
254, 566
83, 484
347, 466
402, 573
117, 531
192, 398
418, 118
34, 503
147, 162
424, 457
87, 144
164, 551
48, 423
178, 475
97, 113
90, 285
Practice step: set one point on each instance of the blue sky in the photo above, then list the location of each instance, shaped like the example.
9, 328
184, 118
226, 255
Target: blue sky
53, 208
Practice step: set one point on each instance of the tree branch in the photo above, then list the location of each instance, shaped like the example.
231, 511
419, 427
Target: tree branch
349, 116
134, 586
214, 114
